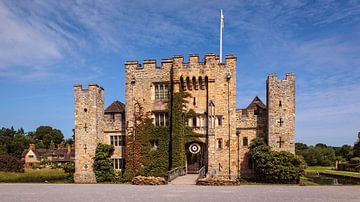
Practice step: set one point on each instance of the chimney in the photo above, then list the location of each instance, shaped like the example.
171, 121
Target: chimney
32, 147
68, 146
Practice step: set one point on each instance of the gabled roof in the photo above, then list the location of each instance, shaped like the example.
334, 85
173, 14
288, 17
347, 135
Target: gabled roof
115, 107
256, 103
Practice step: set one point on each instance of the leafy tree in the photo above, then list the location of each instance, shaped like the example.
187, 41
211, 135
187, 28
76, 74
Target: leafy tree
357, 148
10, 163
299, 147
273, 166
52, 145
69, 168
102, 165
13, 142
320, 155
46, 134
345, 152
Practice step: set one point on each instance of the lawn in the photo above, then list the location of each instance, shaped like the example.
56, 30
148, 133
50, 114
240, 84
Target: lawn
35, 175
328, 170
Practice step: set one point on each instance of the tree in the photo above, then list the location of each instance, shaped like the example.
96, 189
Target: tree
320, 155
13, 142
10, 163
299, 147
46, 134
345, 152
273, 166
103, 167
357, 149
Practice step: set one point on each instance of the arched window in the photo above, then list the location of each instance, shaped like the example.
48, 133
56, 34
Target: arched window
245, 141
195, 84
182, 84
188, 83
206, 82
201, 83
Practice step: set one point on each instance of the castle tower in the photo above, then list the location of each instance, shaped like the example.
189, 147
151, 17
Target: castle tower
89, 124
281, 112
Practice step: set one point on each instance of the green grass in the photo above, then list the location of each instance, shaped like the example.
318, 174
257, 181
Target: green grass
304, 181
328, 170
35, 175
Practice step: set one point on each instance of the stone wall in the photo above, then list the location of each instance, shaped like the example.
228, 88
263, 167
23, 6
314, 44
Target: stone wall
250, 125
89, 125
114, 126
140, 80
281, 112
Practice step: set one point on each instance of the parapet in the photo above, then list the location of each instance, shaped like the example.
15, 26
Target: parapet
90, 85
210, 58
288, 77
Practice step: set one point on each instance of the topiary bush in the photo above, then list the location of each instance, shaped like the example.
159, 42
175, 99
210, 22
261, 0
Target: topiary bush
10, 163
103, 166
275, 167
69, 169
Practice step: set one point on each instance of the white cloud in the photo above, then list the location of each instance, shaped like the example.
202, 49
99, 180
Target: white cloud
23, 44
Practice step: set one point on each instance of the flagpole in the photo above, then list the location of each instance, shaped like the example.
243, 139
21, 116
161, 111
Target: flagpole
221, 21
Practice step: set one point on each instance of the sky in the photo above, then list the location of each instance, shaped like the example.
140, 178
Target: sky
48, 46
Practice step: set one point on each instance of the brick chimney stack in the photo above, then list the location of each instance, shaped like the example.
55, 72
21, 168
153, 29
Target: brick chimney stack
68, 146
32, 147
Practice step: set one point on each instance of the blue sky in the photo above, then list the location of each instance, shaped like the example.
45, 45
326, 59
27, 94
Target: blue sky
48, 46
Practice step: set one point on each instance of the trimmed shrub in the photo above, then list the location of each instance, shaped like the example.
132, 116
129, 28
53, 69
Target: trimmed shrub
10, 163
69, 169
275, 167
103, 166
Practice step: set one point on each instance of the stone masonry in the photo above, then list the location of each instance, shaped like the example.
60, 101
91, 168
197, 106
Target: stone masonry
212, 89
281, 112
93, 125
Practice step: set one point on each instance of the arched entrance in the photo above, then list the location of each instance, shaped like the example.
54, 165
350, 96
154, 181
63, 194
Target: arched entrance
194, 157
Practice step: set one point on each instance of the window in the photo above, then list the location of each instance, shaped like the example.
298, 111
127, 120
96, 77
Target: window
256, 112
161, 119
161, 91
219, 120
31, 156
245, 141
194, 101
119, 164
117, 140
194, 121
219, 144
154, 144
280, 104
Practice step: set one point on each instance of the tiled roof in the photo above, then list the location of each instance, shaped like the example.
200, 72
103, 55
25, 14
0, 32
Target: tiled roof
115, 107
256, 103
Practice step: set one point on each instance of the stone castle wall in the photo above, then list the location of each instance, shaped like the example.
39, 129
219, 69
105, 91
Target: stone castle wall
140, 80
249, 126
209, 83
114, 126
89, 125
281, 112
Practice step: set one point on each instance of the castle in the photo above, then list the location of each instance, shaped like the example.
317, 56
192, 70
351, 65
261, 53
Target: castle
225, 132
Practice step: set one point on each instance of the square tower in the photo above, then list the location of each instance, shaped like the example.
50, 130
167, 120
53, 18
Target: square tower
281, 112
89, 124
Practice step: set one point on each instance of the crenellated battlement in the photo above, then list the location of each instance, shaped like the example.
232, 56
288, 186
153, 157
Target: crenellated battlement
178, 60
90, 87
288, 77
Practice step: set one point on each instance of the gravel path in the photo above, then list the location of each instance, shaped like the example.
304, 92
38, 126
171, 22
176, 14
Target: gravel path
185, 179
174, 193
